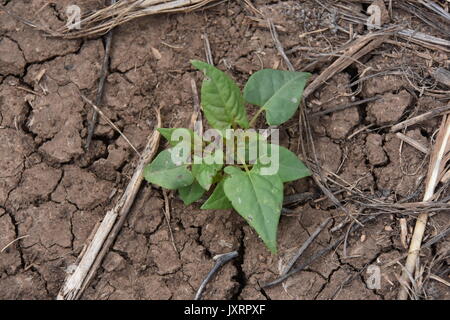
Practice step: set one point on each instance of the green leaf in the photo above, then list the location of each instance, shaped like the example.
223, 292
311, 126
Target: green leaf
218, 200
205, 172
191, 193
167, 133
277, 92
258, 199
165, 173
222, 101
290, 167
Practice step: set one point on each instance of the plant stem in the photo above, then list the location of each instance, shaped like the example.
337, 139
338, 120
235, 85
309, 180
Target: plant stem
255, 117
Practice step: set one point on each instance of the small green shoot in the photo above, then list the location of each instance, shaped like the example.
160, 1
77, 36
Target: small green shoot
252, 182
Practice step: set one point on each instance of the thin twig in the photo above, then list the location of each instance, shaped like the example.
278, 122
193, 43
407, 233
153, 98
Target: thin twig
344, 106
412, 143
359, 48
15, 240
101, 86
208, 53
167, 217
196, 118
97, 109
220, 261
305, 246
420, 118
276, 40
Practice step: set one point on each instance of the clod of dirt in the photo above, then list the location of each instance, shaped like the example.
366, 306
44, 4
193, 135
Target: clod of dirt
35, 47
82, 188
113, 261
302, 286
345, 285
375, 152
116, 156
355, 169
11, 58
251, 293
404, 169
47, 225
146, 215
51, 112
389, 108
135, 246
329, 153
23, 286
83, 223
10, 261
104, 170
81, 68
359, 252
337, 92
165, 258
12, 104
37, 184
381, 83
14, 149
64, 146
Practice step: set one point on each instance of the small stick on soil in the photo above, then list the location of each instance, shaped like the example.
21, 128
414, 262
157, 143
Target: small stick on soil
344, 106
167, 216
403, 232
208, 53
97, 109
305, 246
439, 279
299, 197
359, 48
101, 86
196, 118
425, 116
412, 143
75, 283
437, 169
276, 40
359, 131
442, 75
428, 244
15, 240
221, 259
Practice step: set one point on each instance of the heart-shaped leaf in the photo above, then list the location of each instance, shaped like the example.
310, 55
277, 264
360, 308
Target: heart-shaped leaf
258, 199
278, 92
165, 173
218, 200
222, 101
204, 170
290, 167
191, 193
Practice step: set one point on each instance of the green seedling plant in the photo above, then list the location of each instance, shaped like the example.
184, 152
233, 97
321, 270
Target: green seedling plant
248, 186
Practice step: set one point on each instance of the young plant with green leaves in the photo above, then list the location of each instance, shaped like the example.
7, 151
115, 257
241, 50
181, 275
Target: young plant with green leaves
248, 186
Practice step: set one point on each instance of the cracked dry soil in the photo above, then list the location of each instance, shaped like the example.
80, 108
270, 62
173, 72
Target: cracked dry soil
53, 193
